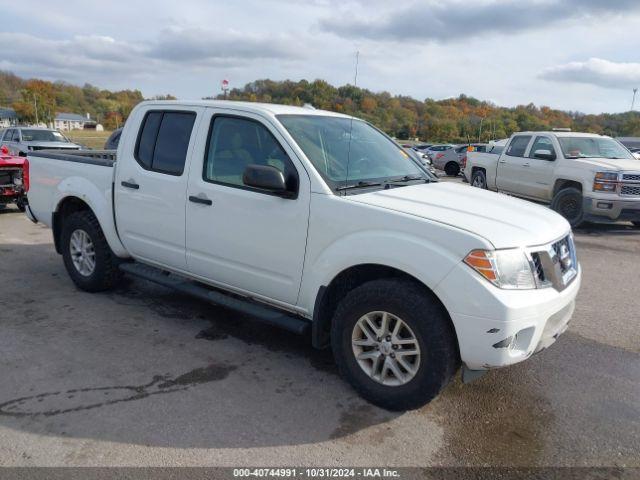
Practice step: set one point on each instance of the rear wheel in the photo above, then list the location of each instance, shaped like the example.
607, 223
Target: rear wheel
394, 344
20, 203
91, 264
479, 179
452, 169
568, 203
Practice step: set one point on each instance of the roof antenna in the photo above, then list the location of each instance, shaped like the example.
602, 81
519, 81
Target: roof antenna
355, 84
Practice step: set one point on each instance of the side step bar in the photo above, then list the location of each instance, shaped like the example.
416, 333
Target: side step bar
261, 313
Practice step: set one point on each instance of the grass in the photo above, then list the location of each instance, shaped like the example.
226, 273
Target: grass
88, 138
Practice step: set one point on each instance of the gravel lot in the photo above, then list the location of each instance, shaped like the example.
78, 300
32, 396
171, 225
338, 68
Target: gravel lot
145, 377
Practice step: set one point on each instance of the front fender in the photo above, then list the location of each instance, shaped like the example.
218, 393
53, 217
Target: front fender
100, 203
424, 260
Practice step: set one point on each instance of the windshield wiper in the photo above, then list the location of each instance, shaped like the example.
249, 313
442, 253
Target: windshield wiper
360, 184
385, 183
405, 179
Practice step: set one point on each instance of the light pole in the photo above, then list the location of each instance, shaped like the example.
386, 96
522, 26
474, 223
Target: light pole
35, 106
633, 101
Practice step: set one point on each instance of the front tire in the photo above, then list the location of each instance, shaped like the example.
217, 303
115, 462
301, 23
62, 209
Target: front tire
568, 203
91, 264
394, 366
452, 169
479, 179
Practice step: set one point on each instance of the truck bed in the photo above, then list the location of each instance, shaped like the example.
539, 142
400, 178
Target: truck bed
87, 174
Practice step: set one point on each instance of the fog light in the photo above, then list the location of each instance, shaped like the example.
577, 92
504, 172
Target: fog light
606, 205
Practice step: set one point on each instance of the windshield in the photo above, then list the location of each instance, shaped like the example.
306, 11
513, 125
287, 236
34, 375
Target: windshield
369, 157
593, 147
43, 136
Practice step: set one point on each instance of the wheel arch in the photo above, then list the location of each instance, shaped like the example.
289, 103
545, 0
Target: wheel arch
330, 295
562, 183
72, 203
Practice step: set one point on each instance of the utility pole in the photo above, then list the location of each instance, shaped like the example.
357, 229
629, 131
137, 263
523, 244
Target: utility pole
633, 101
480, 131
35, 106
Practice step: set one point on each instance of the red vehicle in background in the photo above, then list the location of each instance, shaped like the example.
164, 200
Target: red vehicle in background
14, 179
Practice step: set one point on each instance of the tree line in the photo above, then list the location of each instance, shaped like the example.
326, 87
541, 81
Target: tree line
462, 119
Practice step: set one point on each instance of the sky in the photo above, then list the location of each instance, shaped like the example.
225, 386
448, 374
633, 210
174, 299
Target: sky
579, 55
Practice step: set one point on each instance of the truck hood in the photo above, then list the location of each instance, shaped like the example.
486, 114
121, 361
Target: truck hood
504, 221
609, 164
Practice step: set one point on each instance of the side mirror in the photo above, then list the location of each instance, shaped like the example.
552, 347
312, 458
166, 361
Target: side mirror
268, 178
544, 155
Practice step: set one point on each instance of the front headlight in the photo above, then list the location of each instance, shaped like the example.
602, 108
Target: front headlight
605, 182
507, 269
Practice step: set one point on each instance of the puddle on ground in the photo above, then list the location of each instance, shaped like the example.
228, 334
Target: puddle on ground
78, 399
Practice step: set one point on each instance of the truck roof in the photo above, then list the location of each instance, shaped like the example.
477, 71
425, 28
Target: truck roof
561, 134
255, 107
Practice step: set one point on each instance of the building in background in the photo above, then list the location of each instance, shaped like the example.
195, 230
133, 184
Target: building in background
73, 121
8, 117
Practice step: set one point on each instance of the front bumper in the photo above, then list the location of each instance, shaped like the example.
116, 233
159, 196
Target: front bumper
497, 328
611, 209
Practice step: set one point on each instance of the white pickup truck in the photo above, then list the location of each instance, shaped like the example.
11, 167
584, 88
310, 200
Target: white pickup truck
582, 176
312, 220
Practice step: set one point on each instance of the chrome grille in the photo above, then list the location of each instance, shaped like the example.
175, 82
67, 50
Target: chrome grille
631, 190
634, 177
556, 264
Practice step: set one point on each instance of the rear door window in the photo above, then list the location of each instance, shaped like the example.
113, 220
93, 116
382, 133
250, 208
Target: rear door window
518, 145
16, 136
164, 140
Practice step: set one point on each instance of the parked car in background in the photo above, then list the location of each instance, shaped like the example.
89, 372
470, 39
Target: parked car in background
13, 177
113, 140
453, 159
21, 140
422, 159
434, 149
315, 221
582, 176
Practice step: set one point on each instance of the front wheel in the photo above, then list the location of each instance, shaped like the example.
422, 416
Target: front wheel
394, 343
568, 203
91, 264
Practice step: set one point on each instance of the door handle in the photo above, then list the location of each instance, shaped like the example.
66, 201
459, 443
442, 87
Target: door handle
203, 201
502, 161
526, 165
130, 184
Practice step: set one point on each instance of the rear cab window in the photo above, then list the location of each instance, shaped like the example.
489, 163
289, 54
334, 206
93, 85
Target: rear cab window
163, 141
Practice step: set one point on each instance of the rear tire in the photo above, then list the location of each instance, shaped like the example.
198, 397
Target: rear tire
452, 169
21, 204
429, 327
91, 264
568, 203
479, 179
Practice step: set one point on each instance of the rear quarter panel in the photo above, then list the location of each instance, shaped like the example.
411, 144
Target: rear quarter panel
488, 162
54, 180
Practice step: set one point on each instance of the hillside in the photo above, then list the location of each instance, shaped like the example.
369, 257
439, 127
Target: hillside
453, 120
